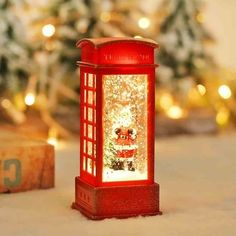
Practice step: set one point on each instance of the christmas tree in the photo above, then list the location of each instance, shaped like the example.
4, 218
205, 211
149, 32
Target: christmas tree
14, 52
126, 19
182, 36
188, 77
40, 61
58, 25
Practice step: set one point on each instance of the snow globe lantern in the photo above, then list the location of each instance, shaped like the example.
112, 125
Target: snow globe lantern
117, 110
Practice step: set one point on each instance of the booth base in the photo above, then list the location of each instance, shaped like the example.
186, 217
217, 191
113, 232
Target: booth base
117, 201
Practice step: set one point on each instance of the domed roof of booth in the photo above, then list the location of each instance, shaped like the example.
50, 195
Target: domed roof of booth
98, 42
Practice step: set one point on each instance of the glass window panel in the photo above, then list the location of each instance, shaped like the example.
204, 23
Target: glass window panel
90, 80
90, 97
90, 131
89, 165
125, 128
90, 114
89, 148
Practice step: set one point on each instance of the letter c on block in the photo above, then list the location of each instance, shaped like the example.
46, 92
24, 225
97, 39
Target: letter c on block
11, 183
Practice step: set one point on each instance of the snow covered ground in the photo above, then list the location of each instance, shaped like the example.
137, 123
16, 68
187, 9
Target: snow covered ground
198, 195
122, 175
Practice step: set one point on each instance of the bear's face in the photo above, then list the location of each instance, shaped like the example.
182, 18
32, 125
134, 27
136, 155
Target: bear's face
125, 136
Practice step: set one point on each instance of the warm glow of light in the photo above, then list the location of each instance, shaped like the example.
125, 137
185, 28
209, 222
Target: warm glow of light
29, 99
52, 137
105, 16
17, 116
200, 17
175, 112
125, 109
224, 91
6, 104
41, 101
19, 102
137, 37
166, 101
201, 89
125, 118
144, 23
48, 30
53, 141
222, 117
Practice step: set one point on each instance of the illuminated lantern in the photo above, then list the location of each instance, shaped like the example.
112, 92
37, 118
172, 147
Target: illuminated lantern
117, 129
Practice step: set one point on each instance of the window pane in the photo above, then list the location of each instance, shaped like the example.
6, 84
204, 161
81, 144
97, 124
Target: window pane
89, 148
90, 80
90, 131
90, 114
90, 97
89, 165
125, 127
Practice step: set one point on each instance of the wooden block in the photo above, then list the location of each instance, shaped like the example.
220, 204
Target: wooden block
25, 164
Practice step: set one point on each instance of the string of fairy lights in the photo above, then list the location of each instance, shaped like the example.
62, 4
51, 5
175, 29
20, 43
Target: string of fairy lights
174, 111
166, 101
16, 109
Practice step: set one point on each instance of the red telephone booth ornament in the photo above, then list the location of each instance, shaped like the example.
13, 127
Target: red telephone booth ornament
117, 129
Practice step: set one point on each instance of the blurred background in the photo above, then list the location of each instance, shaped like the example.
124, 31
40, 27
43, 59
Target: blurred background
39, 80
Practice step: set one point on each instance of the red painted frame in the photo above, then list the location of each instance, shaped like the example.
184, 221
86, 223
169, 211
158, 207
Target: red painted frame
85, 175
94, 62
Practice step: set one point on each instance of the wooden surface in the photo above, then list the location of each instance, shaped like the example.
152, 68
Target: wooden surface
25, 163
